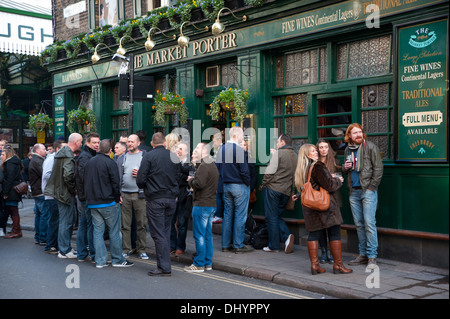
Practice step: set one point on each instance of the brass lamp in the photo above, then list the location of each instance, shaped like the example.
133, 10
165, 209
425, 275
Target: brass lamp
149, 44
183, 41
95, 57
218, 27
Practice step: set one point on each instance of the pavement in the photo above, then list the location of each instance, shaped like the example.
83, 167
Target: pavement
390, 280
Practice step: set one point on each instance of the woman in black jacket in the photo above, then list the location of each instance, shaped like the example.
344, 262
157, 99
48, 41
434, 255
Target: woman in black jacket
12, 168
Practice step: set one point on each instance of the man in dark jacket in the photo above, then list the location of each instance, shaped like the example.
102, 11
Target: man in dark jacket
235, 174
85, 229
204, 183
158, 176
35, 175
61, 186
101, 186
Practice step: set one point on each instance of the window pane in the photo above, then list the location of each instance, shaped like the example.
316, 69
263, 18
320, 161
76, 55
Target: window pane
375, 95
297, 126
296, 104
108, 12
229, 74
280, 72
278, 106
342, 61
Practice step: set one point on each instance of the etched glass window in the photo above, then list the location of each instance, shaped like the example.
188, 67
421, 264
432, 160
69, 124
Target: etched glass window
365, 58
377, 116
290, 117
301, 68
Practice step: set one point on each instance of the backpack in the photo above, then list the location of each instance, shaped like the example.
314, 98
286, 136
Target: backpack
260, 238
250, 226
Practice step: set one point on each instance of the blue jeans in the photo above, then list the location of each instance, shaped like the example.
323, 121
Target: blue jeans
53, 223
235, 215
85, 235
220, 205
40, 219
274, 203
364, 207
109, 216
202, 229
65, 227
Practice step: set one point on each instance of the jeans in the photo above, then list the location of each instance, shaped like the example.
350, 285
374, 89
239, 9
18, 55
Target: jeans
202, 229
274, 203
65, 227
53, 223
40, 219
159, 214
85, 235
109, 216
220, 205
235, 215
364, 207
131, 202
178, 237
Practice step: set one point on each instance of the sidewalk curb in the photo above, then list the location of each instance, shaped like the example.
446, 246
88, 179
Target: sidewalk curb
277, 278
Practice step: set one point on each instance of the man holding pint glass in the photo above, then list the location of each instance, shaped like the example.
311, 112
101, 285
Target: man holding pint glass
364, 166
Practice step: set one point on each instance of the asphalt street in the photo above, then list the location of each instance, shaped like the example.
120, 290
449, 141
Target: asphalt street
28, 273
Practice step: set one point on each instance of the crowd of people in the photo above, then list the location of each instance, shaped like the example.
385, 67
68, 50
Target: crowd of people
114, 192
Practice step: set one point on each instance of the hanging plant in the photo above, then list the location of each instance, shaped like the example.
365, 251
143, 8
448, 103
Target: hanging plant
40, 122
231, 100
169, 104
84, 118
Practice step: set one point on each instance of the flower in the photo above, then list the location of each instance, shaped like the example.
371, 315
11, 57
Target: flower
168, 104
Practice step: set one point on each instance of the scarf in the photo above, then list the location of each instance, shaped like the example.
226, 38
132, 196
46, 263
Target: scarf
356, 153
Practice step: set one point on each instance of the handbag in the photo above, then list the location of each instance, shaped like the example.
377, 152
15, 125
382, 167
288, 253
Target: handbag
315, 200
21, 188
253, 197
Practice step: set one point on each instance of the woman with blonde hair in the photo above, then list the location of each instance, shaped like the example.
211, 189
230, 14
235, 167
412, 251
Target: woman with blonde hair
12, 168
317, 221
172, 141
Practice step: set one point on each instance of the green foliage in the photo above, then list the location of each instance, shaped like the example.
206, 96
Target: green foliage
40, 122
81, 116
211, 7
254, 3
170, 103
237, 96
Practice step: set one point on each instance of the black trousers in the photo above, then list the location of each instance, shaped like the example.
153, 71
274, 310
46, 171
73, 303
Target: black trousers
159, 215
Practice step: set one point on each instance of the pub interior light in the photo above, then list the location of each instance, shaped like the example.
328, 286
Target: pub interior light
218, 27
149, 44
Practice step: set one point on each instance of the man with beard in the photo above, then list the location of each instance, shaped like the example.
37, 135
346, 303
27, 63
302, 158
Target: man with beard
364, 166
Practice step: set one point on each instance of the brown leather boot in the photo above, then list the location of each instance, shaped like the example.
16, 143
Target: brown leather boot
336, 251
16, 231
313, 247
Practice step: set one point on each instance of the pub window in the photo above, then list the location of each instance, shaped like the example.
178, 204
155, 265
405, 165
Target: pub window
301, 68
377, 116
365, 58
119, 116
334, 114
225, 74
290, 117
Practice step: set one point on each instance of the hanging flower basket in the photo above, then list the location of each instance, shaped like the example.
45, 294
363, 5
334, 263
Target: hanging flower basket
230, 100
169, 104
84, 118
40, 122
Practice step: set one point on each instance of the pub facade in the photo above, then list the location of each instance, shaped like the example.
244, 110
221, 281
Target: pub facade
310, 68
